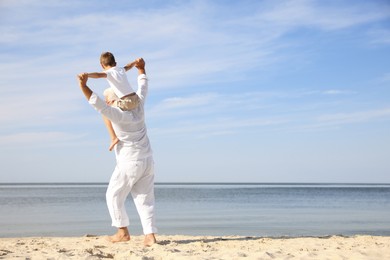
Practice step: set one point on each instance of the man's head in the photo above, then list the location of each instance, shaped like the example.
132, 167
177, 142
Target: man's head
110, 96
107, 60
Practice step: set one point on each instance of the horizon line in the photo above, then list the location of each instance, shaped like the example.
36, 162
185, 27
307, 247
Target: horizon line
202, 183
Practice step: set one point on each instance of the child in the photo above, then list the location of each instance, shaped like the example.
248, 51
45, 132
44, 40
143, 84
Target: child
117, 79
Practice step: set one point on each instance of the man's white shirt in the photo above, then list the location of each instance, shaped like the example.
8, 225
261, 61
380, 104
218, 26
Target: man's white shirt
129, 126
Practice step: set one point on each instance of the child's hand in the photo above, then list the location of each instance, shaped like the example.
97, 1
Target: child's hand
84, 74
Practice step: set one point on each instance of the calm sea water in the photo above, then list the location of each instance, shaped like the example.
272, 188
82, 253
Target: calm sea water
202, 209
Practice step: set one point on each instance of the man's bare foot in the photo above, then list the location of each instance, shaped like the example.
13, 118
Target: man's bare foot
113, 143
149, 240
120, 236
115, 238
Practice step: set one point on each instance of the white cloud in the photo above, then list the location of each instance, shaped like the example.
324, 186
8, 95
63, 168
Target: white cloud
38, 108
325, 16
384, 78
337, 92
182, 105
355, 117
244, 102
380, 36
189, 50
217, 127
39, 139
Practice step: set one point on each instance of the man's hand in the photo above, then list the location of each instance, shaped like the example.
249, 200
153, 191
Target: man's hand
140, 63
83, 78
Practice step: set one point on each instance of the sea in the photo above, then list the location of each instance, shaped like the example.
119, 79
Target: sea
201, 209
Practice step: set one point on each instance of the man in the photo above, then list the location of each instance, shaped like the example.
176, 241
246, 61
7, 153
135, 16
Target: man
134, 171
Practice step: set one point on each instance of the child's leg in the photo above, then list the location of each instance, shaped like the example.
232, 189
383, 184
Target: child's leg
111, 132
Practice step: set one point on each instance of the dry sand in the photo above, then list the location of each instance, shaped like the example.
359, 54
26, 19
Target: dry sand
197, 247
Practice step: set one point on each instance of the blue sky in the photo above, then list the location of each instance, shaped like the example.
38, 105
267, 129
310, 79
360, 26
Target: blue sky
240, 91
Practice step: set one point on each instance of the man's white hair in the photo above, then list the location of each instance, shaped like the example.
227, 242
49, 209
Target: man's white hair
109, 94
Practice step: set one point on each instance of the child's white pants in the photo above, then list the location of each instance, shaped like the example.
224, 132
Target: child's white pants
137, 178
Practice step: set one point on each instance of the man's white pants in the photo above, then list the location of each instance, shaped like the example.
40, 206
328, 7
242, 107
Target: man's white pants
137, 178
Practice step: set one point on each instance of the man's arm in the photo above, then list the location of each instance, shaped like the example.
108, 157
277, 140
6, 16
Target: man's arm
115, 115
97, 75
83, 78
142, 90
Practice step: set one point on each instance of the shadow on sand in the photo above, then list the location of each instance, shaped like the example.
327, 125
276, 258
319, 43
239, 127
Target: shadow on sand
221, 239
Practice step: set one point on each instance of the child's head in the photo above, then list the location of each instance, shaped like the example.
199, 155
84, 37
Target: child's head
107, 60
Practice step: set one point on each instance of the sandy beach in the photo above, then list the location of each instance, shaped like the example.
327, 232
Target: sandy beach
197, 247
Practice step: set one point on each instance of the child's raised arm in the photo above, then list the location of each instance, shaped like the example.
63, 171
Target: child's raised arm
97, 75
130, 65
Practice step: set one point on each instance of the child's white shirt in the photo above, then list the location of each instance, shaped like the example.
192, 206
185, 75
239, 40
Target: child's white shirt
116, 77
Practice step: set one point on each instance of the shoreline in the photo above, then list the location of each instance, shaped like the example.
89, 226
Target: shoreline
198, 247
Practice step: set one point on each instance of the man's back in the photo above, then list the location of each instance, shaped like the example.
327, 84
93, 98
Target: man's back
129, 126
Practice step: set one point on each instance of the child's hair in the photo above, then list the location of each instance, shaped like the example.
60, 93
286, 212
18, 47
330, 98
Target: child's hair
107, 59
